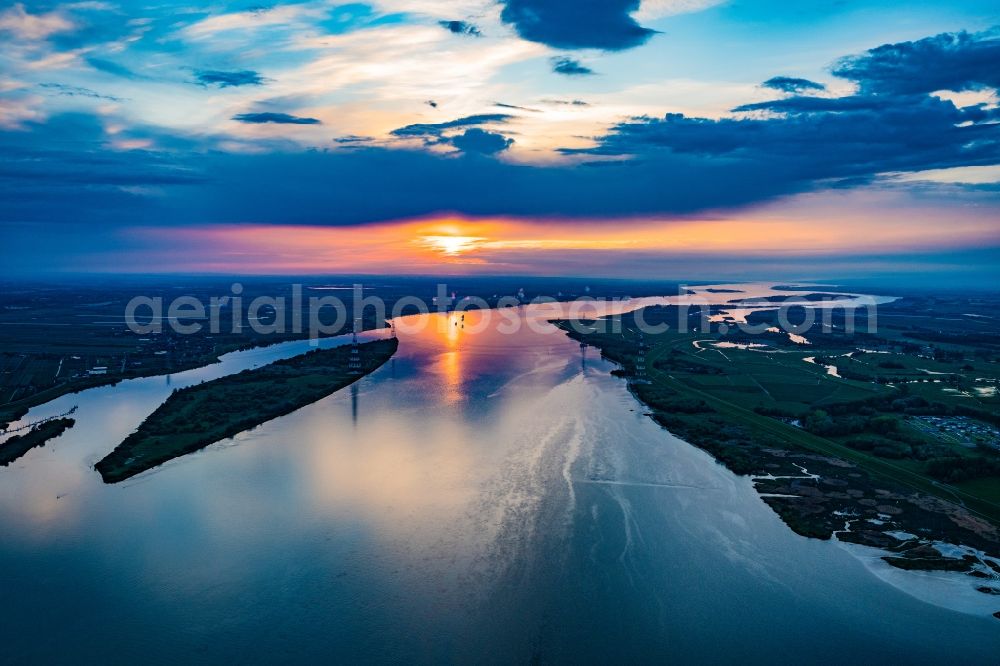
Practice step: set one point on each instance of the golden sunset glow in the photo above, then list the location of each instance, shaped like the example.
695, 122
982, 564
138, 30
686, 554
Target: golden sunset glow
459, 245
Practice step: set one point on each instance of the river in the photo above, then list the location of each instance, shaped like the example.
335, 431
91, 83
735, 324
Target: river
482, 497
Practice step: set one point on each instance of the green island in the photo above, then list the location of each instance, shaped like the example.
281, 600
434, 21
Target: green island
197, 416
811, 297
875, 438
17, 445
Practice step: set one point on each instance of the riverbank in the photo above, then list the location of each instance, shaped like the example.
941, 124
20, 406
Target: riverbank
200, 415
13, 411
816, 491
17, 445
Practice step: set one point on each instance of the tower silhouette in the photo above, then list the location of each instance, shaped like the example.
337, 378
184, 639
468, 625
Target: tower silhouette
354, 362
640, 362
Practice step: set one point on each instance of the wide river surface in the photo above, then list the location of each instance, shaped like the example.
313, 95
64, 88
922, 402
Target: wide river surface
483, 497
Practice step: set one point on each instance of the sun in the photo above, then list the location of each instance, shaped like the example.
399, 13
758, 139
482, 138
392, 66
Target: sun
451, 245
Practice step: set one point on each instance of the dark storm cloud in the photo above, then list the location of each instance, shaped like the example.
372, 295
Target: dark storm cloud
461, 28
472, 141
73, 177
435, 129
891, 124
790, 84
278, 118
229, 79
89, 184
67, 180
62, 172
577, 24
846, 138
352, 139
850, 103
480, 141
949, 61
569, 67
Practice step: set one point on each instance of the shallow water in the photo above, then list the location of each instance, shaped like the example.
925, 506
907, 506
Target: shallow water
480, 497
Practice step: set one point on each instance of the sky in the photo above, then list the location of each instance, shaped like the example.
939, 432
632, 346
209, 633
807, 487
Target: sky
677, 139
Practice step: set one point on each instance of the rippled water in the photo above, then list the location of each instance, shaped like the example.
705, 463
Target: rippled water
481, 497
